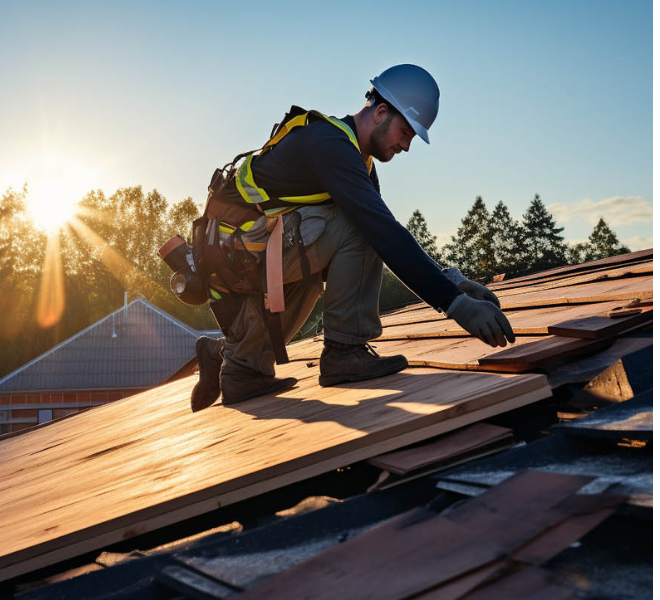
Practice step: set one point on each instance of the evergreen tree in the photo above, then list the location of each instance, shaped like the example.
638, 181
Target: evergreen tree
506, 240
544, 246
471, 248
419, 228
604, 242
579, 253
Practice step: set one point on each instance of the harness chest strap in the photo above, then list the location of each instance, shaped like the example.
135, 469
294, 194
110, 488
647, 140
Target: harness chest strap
257, 196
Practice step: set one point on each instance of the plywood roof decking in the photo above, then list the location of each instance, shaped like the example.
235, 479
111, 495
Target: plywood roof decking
562, 280
429, 323
147, 461
587, 266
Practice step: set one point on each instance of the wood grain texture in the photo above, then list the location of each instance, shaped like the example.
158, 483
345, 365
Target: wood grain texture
541, 352
459, 587
528, 584
601, 291
450, 445
471, 354
604, 273
146, 461
425, 550
587, 266
525, 321
597, 327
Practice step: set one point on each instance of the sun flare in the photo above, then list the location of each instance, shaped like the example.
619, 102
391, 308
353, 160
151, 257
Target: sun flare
52, 203
56, 183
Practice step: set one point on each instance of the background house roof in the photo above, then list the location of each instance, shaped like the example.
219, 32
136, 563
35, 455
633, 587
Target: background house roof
137, 346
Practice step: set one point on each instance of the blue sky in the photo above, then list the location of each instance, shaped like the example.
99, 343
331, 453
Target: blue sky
537, 96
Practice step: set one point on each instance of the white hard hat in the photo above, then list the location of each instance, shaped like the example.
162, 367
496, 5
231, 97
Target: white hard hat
413, 92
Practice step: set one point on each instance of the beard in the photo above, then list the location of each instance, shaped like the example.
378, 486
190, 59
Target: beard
378, 140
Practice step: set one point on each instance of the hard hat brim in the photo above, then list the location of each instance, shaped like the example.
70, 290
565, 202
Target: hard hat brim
420, 130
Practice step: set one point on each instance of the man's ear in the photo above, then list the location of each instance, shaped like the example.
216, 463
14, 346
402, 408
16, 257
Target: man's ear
380, 113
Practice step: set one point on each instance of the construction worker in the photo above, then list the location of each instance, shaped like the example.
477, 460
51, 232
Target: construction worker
346, 241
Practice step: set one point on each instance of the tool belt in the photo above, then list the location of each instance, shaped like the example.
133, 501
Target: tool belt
231, 267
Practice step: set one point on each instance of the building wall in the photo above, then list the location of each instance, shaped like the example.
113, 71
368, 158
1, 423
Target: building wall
20, 410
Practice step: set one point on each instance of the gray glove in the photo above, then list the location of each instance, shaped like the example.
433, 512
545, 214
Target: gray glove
482, 319
471, 288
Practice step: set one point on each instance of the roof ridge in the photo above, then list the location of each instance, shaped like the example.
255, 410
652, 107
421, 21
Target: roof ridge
82, 332
166, 315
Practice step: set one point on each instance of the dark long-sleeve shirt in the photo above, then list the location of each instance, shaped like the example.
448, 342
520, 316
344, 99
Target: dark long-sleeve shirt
320, 158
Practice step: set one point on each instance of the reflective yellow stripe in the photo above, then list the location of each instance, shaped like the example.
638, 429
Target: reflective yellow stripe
253, 194
215, 293
345, 128
280, 210
229, 229
246, 185
286, 128
306, 199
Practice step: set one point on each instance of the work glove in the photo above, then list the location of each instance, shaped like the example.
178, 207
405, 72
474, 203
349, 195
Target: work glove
471, 288
482, 319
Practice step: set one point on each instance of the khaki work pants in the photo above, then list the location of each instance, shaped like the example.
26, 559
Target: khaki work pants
350, 302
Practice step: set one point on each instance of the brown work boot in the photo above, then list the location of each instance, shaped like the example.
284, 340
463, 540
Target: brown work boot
240, 384
209, 359
341, 363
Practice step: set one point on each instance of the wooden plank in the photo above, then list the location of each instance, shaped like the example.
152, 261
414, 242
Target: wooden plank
471, 354
146, 461
586, 266
426, 550
423, 549
598, 327
602, 291
449, 446
388, 480
527, 584
525, 321
519, 359
563, 280
586, 513
459, 587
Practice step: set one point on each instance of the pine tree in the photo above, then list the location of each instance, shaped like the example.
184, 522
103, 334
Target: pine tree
419, 228
506, 240
544, 246
471, 249
579, 253
604, 242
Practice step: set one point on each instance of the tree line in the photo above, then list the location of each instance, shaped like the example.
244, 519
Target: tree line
111, 246
491, 243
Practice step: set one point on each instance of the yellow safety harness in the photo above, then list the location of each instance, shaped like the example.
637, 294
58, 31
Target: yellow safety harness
253, 194
235, 202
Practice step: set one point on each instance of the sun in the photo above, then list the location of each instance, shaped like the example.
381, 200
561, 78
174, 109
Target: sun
56, 183
52, 203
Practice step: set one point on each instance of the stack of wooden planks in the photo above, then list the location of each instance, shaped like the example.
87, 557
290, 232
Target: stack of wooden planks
491, 546
146, 462
449, 450
555, 315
